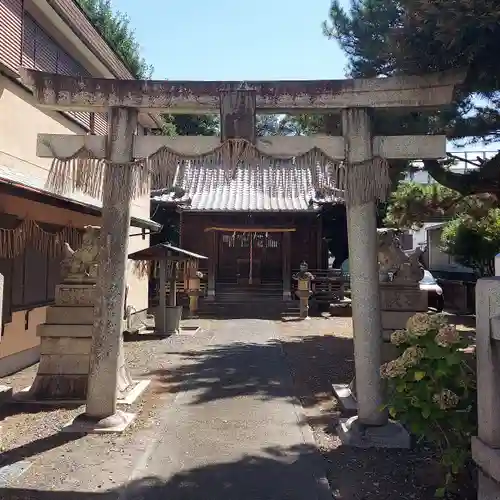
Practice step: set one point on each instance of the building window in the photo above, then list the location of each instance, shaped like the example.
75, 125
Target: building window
30, 278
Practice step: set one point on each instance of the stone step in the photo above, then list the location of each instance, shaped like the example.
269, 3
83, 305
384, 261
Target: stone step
48, 330
65, 315
5, 394
264, 308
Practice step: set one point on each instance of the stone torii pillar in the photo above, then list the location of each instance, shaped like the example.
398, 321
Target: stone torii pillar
371, 427
107, 366
351, 98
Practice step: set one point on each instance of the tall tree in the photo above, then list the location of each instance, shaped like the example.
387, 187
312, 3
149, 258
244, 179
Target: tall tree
391, 37
114, 27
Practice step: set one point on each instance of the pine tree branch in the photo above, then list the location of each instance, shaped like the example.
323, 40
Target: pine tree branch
483, 180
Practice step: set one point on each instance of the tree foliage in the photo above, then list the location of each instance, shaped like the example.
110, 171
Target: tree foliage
472, 231
412, 204
115, 28
474, 242
391, 37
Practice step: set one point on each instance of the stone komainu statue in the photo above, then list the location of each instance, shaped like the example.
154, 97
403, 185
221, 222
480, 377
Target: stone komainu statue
394, 264
81, 265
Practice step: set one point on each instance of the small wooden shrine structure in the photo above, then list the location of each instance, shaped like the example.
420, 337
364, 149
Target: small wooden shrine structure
170, 263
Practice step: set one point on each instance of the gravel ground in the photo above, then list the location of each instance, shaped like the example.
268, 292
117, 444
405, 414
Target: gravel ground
71, 462
320, 354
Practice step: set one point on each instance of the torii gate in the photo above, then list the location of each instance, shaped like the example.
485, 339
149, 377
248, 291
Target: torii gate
238, 102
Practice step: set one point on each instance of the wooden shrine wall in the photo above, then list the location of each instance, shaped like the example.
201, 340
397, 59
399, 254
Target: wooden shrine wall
305, 241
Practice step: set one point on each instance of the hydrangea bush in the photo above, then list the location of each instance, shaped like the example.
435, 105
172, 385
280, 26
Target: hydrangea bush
431, 389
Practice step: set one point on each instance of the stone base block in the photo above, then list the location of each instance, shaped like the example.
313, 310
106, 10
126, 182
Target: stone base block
36, 394
392, 435
487, 488
389, 352
5, 394
398, 297
75, 295
64, 364
71, 331
113, 424
70, 315
71, 388
487, 458
396, 320
345, 397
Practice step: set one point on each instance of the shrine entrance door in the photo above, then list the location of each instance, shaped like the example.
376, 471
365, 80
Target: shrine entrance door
250, 258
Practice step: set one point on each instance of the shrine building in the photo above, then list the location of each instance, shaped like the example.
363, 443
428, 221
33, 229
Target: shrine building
256, 224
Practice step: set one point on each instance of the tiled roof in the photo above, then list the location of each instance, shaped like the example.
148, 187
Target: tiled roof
249, 188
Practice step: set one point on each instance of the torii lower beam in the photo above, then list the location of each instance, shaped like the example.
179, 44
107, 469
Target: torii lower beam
397, 147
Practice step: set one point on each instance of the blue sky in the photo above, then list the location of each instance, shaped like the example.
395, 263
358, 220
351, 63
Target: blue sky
232, 40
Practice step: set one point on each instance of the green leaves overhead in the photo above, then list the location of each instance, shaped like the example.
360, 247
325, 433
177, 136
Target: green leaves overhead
391, 37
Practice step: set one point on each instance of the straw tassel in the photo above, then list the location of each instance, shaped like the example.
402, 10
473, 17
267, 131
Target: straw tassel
13, 242
358, 183
367, 181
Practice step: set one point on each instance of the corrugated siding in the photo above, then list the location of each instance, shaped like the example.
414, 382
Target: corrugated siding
41, 52
11, 29
29, 42
101, 124
46, 52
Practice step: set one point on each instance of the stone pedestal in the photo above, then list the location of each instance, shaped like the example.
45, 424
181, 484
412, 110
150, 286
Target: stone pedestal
193, 293
398, 303
65, 340
303, 293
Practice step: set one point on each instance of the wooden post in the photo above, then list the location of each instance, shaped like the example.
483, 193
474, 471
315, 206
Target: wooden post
212, 265
106, 356
161, 316
319, 244
287, 271
172, 295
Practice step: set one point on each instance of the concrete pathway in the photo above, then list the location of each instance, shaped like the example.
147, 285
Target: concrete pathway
234, 430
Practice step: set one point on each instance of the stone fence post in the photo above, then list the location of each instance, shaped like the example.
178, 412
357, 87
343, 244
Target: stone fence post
486, 446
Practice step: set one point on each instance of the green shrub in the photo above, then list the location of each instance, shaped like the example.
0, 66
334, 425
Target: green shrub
431, 390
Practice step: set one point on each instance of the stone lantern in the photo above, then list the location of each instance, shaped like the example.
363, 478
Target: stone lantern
194, 290
304, 280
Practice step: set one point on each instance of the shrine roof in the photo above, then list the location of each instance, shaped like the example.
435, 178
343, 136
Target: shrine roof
165, 251
264, 189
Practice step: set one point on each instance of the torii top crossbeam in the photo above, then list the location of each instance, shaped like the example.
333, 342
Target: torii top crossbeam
198, 97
